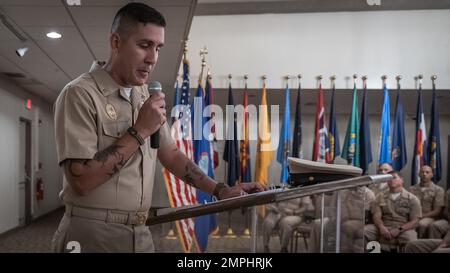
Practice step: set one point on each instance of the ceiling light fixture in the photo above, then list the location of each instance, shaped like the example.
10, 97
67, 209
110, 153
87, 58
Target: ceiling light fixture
21, 51
53, 35
73, 2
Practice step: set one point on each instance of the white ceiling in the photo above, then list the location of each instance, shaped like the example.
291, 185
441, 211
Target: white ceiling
49, 64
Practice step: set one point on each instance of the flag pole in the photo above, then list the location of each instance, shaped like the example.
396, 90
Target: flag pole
433, 79
398, 78
230, 232
384, 78
203, 54
333, 79
216, 233
319, 81
420, 77
246, 233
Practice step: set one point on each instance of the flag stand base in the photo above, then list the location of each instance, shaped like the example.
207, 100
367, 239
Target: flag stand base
230, 233
246, 233
171, 235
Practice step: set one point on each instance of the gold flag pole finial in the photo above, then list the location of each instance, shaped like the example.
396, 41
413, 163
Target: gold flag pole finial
420, 77
264, 77
383, 78
333, 79
433, 80
355, 77
209, 75
299, 76
185, 48
245, 80
364, 78
398, 78
319, 80
203, 54
287, 77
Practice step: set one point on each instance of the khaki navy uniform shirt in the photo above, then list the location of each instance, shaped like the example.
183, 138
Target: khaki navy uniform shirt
355, 202
431, 197
91, 113
395, 213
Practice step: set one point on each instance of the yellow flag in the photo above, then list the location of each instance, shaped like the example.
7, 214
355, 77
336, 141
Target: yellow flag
264, 153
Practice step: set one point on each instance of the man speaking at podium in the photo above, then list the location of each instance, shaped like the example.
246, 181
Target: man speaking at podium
103, 123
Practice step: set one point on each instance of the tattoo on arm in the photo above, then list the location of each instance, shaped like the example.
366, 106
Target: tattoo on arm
112, 150
193, 173
69, 168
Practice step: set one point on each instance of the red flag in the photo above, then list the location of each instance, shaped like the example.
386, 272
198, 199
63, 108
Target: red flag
321, 151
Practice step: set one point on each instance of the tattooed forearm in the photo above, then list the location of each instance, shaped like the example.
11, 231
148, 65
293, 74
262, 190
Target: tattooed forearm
193, 173
71, 169
102, 156
112, 150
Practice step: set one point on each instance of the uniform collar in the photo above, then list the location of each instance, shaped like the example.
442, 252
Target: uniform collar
404, 193
106, 83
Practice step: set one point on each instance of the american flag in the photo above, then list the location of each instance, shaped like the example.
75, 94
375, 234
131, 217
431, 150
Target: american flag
180, 193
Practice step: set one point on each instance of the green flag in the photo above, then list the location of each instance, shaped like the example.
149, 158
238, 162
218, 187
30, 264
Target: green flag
350, 151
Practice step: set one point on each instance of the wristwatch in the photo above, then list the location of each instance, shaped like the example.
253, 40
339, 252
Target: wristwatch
136, 135
218, 188
400, 228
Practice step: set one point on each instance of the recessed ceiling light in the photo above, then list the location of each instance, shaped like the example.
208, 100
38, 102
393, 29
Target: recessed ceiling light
53, 35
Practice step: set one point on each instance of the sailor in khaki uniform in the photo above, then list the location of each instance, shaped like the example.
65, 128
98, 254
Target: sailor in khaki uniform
431, 198
356, 204
395, 215
103, 120
293, 216
438, 228
384, 168
305, 172
284, 216
430, 245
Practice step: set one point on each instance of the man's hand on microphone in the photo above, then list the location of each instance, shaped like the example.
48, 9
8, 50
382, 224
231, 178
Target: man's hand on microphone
152, 115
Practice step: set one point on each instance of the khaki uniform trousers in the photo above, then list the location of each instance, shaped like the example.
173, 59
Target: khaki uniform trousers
352, 236
270, 223
422, 228
315, 234
438, 229
426, 246
371, 233
117, 232
287, 226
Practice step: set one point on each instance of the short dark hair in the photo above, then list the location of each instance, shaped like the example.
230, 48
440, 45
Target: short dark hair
131, 14
396, 172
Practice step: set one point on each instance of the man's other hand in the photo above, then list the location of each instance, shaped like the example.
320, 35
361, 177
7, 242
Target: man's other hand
241, 189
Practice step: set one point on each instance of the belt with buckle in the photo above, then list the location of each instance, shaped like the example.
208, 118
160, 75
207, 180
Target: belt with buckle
135, 218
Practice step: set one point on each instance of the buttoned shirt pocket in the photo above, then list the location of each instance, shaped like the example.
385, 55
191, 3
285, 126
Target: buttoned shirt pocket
112, 131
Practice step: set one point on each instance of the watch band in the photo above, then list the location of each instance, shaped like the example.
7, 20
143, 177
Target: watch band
136, 135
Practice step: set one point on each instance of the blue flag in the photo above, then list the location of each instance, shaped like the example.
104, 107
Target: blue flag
399, 157
202, 157
384, 155
434, 142
365, 147
283, 145
297, 137
333, 134
231, 152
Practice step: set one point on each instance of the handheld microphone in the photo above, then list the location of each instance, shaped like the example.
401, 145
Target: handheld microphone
154, 87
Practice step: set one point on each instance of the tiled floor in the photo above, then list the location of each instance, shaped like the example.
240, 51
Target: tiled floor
36, 237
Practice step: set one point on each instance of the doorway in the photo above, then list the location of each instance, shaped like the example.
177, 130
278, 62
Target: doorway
24, 172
